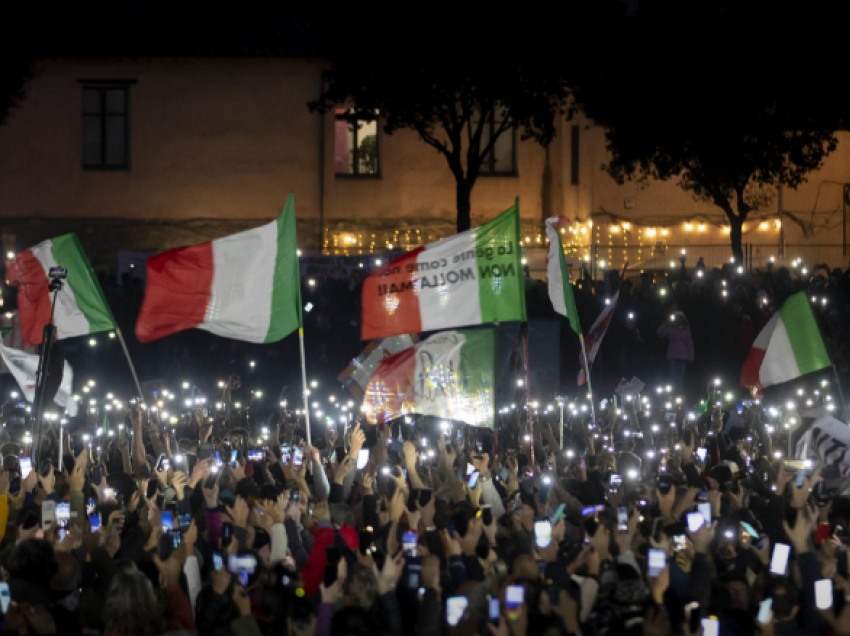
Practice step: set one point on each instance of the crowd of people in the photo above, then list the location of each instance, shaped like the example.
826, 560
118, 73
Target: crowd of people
653, 519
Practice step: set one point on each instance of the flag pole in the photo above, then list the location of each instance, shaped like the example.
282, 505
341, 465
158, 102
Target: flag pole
304, 385
840, 390
130, 363
587, 374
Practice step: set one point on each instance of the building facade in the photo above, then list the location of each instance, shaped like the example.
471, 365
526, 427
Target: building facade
147, 154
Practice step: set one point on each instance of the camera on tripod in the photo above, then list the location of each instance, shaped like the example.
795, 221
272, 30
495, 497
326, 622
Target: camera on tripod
57, 276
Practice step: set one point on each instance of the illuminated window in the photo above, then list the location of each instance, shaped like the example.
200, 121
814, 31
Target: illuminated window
105, 129
501, 160
356, 145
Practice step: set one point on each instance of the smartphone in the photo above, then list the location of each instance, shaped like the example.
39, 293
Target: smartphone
705, 510
710, 626
5, 597
242, 565
298, 456
94, 522
226, 534
514, 596
779, 562
494, 612
656, 561
217, 458
48, 514
487, 515
362, 458
184, 521
255, 455
63, 514
331, 573
285, 454
679, 542
218, 562
472, 482
96, 476
750, 530
409, 541
26, 467
542, 533
622, 519
234, 455
823, 594
801, 478
765, 608
455, 609
167, 521
504, 476
91, 506
695, 521
701, 452
664, 486
615, 482
425, 495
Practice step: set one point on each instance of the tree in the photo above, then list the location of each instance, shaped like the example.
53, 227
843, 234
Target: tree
705, 102
448, 87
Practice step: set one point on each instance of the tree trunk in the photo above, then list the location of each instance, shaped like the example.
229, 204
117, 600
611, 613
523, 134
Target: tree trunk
736, 235
464, 205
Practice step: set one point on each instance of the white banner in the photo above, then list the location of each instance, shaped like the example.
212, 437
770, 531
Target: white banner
827, 441
24, 366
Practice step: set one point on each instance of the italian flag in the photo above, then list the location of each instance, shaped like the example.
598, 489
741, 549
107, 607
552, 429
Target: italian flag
560, 288
245, 286
471, 278
80, 305
789, 346
448, 375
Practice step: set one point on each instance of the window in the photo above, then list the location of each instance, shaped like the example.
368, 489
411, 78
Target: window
356, 147
501, 160
574, 155
106, 127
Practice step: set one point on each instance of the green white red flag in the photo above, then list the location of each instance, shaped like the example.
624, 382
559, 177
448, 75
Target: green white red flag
789, 346
448, 375
472, 278
81, 307
560, 287
245, 286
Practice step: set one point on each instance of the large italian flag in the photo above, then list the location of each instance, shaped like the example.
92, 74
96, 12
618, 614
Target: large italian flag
471, 278
80, 305
447, 375
789, 346
245, 286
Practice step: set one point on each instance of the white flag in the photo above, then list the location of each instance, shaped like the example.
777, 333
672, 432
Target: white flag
24, 366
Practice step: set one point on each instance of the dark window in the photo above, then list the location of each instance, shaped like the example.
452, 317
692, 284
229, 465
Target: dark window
501, 160
574, 155
356, 147
106, 128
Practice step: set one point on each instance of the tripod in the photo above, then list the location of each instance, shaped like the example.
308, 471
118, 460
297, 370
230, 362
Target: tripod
48, 339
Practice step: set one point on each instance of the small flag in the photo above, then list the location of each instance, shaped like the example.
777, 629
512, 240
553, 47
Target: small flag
80, 305
594, 338
355, 377
789, 346
448, 375
560, 287
24, 367
245, 286
472, 278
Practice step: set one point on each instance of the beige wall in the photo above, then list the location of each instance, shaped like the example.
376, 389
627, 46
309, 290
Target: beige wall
222, 143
